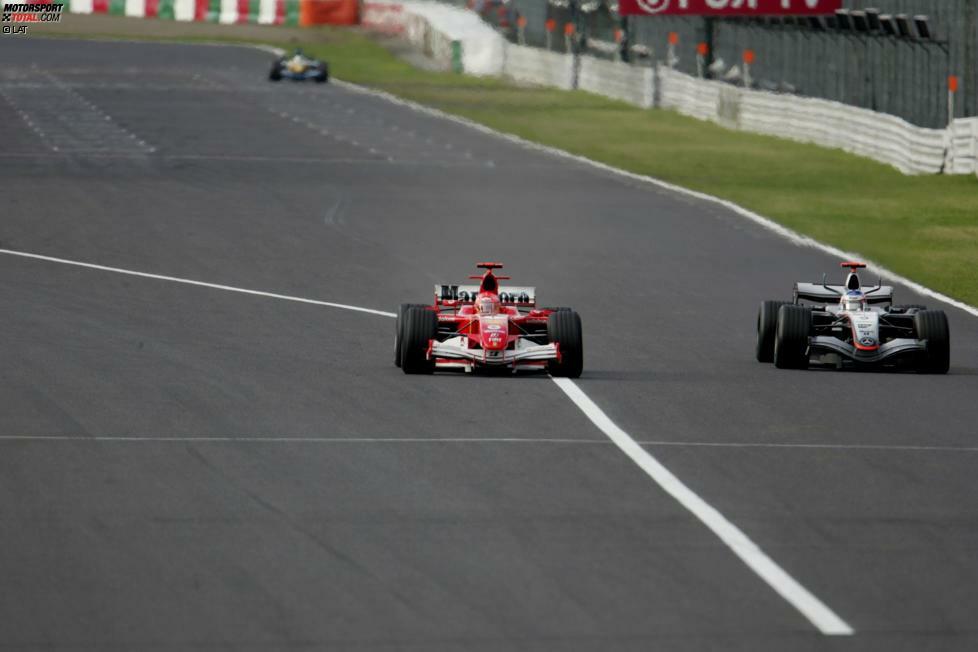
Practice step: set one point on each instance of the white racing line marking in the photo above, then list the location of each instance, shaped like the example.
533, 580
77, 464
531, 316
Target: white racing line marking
310, 440
897, 448
817, 613
187, 281
823, 618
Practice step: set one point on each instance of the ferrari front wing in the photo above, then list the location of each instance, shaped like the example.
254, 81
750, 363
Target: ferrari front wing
455, 353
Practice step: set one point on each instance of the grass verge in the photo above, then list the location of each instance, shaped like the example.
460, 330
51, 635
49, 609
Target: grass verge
924, 227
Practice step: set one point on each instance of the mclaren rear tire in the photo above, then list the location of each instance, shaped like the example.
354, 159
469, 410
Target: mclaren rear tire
564, 328
418, 327
767, 327
401, 309
791, 337
931, 325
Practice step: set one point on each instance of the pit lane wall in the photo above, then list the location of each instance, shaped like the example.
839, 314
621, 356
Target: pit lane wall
265, 12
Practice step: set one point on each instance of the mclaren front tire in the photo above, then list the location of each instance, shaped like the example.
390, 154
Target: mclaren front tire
931, 325
767, 327
791, 337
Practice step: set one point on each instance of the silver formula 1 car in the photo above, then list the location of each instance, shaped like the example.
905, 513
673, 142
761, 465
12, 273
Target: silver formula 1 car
851, 325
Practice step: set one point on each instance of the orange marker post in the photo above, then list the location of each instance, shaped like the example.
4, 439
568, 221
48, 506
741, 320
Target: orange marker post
748, 62
568, 35
521, 29
550, 26
952, 89
671, 58
702, 49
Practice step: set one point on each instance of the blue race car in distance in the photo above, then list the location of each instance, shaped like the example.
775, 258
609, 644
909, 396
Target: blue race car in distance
299, 67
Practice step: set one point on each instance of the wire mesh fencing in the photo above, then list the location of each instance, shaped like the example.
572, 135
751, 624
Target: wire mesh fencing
904, 75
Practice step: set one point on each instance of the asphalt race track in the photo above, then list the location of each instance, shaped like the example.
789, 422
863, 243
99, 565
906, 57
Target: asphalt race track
183, 467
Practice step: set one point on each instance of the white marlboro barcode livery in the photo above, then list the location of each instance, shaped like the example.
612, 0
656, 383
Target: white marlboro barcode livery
487, 326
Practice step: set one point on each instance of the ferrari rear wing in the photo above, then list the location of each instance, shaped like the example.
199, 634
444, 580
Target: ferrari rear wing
818, 293
508, 295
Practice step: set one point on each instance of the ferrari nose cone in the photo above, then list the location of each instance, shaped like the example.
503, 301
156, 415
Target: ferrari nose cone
493, 334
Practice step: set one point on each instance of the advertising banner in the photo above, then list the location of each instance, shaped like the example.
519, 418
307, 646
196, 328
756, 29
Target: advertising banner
728, 7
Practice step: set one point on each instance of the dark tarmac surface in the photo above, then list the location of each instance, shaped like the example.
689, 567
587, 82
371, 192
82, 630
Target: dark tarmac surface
153, 493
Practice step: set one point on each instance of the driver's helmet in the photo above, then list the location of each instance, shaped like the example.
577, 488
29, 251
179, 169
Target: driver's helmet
854, 300
487, 305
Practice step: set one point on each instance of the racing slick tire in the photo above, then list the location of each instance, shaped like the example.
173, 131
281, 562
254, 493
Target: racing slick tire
931, 325
419, 327
275, 74
564, 328
401, 309
767, 326
323, 75
791, 337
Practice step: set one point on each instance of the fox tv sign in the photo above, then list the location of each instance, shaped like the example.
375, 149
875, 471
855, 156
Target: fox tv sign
728, 7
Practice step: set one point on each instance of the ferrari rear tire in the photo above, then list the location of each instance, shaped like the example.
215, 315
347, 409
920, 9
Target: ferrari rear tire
564, 328
420, 326
275, 74
767, 326
398, 326
791, 337
931, 325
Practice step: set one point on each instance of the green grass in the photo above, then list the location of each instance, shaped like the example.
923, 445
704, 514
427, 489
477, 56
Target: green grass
924, 227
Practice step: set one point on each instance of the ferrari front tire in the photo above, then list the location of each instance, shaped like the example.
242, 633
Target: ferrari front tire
931, 325
418, 327
791, 337
767, 326
398, 325
564, 328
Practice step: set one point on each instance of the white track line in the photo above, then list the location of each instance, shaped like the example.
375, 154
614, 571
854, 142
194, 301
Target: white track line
823, 618
898, 448
285, 439
187, 281
302, 440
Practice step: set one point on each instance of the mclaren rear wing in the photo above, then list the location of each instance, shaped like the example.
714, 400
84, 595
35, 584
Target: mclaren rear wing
521, 297
819, 293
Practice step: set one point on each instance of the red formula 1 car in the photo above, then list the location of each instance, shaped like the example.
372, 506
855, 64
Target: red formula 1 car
487, 326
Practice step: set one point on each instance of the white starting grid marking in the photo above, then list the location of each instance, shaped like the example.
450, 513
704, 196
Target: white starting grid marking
817, 612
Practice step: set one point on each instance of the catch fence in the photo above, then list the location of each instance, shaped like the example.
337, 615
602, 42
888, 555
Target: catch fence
902, 75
